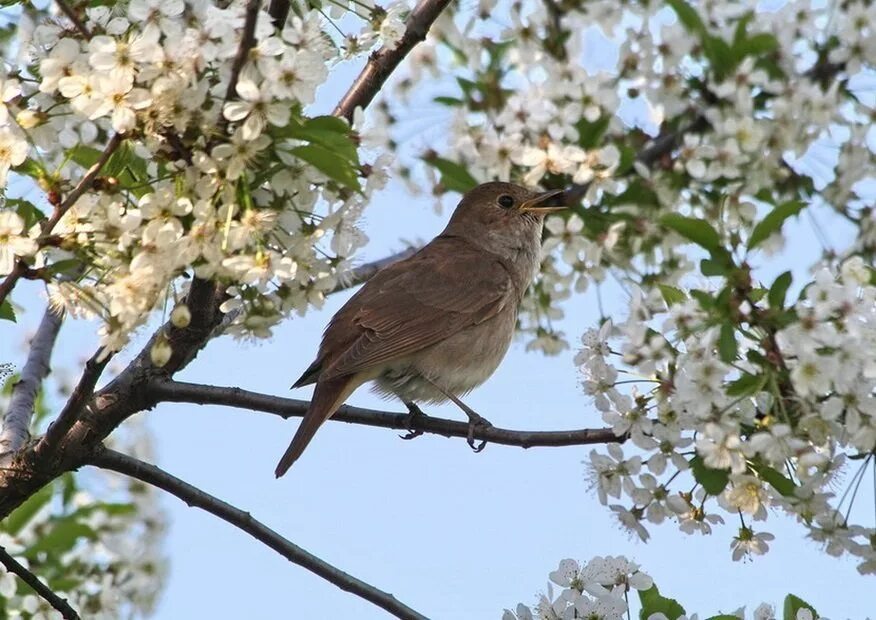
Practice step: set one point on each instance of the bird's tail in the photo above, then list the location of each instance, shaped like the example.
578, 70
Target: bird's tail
327, 397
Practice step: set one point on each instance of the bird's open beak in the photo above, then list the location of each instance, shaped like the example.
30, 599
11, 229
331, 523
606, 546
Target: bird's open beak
548, 202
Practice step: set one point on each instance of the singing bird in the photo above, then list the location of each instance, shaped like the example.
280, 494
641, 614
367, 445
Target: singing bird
436, 325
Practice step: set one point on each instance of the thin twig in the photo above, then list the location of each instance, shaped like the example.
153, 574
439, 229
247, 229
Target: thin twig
82, 393
383, 62
193, 496
181, 392
71, 14
247, 42
16, 422
83, 186
60, 604
365, 272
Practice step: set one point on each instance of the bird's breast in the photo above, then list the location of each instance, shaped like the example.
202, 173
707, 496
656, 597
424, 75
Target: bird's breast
458, 364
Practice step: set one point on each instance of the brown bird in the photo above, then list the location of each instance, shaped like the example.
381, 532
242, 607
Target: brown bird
436, 325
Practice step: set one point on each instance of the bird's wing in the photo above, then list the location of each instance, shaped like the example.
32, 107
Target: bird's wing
446, 287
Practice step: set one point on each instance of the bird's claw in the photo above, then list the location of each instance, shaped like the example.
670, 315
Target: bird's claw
475, 422
414, 412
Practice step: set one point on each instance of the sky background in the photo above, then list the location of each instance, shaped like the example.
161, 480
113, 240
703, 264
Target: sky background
455, 535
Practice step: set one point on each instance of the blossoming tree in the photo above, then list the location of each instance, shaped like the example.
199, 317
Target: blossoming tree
180, 174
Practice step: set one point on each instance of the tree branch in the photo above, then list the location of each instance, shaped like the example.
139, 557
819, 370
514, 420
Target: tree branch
365, 272
60, 604
193, 496
71, 14
83, 186
180, 392
16, 422
82, 393
382, 63
247, 42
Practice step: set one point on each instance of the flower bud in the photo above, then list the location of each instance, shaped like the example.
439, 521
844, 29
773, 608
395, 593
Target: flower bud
160, 352
28, 119
181, 316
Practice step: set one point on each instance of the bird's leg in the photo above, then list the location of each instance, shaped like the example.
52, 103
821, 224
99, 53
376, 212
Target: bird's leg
414, 412
475, 420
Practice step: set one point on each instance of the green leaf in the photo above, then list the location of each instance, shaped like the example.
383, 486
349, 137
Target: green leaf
720, 55
22, 515
85, 156
31, 168
67, 266
672, 295
26, 210
6, 311
776, 479
328, 131
713, 267
590, 134
746, 385
773, 221
779, 290
793, 604
699, 231
61, 538
727, 349
713, 480
706, 301
128, 169
453, 176
654, 603
448, 101
688, 16
330, 163
757, 45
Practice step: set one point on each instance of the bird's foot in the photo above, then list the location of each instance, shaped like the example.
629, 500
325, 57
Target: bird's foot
476, 422
414, 413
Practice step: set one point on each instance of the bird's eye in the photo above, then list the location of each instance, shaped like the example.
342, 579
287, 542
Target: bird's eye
506, 201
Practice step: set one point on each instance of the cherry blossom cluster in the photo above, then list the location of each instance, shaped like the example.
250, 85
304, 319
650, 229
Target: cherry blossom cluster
774, 424
211, 167
661, 107
600, 590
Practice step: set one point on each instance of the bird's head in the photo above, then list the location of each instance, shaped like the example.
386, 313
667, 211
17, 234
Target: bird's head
503, 214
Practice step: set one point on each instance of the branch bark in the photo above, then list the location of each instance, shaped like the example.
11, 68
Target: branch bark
16, 422
60, 604
181, 392
82, 393
195, 497
383, 62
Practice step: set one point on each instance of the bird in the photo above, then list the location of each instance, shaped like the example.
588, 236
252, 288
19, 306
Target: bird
436, 325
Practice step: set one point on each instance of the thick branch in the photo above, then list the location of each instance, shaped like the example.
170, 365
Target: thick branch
383, 62
16, 422
180, 392
193, 496
60, 604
